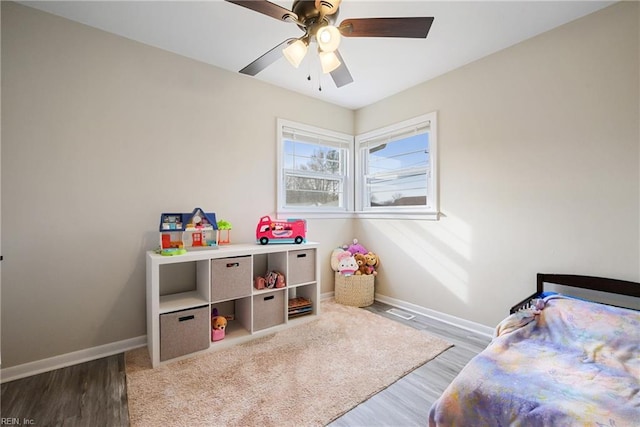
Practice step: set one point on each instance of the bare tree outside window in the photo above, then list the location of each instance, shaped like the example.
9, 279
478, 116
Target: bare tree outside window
316, 178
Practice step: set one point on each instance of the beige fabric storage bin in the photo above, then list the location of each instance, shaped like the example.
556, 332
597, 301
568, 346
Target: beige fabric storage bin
184, 332
302, 267
230, 278
268, 310
356, 290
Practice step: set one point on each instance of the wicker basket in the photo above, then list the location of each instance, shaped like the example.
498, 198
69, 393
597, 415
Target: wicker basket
357, 290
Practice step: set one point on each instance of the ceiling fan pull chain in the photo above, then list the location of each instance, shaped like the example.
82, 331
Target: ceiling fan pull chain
319, 80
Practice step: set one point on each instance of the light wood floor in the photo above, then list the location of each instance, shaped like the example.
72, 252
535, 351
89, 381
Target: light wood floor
94, 393
406, 403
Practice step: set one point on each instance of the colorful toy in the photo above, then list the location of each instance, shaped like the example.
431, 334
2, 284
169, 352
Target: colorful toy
197, 229
356, 248
259, 283
335, 255
347, 265
289, 231
218, 326
361, 260
224, 230
173, 251
372, 262
274, 279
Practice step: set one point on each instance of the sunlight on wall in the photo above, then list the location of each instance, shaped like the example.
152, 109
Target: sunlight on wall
413, 241
453, 232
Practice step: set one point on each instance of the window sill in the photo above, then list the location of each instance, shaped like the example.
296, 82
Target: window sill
412, 215
314, 214
415, 215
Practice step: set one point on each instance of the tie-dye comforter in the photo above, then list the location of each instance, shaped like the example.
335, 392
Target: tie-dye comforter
565, 362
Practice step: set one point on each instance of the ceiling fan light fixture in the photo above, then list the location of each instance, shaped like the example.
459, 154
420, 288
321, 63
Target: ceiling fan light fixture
328, 38
327, 7
295, 52
316, 18
329, 61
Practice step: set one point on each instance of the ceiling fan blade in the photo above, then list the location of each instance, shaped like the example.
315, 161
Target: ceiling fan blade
341, 75
411, 27
267, 8
267, 59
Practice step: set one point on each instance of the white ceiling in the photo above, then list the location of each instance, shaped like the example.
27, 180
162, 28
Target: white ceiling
230, 37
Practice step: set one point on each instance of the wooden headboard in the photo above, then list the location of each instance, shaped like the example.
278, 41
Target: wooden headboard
599, 284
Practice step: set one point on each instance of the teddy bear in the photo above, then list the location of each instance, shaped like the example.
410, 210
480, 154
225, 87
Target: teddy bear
361, 260
373, 262
218, 326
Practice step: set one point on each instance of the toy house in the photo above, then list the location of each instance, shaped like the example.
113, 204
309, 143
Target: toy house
197, 229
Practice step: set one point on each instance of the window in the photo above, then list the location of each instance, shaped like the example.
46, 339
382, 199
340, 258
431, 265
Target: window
396, 168
395, 171
314, 172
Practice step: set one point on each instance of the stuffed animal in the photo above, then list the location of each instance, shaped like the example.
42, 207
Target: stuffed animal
335, 255
357, 248
347, 264
373, 262
361, 260
219, 322
218, 326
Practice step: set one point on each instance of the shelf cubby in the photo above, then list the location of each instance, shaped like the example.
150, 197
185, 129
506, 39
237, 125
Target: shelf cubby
222, 278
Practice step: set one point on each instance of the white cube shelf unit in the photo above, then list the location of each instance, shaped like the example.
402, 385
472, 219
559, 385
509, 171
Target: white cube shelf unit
183, 290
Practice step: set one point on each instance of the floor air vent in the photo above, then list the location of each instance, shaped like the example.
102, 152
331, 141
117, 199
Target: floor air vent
402, 314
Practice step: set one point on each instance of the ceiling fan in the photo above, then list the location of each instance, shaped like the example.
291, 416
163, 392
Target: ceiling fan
316, 19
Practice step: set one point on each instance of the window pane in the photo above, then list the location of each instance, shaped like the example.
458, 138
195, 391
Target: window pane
405, 153
312, 157
407, 190
309, 191
397, 172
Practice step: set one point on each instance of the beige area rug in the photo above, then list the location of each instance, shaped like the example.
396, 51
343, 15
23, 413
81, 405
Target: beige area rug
306, 375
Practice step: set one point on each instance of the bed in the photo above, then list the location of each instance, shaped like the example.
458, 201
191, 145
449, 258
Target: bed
557, 360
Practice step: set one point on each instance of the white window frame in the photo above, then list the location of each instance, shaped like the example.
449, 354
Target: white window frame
429, 211
354, 189
332, 138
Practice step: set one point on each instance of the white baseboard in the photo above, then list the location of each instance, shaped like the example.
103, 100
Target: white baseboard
68, 359
443, 317
81, 356
327, 295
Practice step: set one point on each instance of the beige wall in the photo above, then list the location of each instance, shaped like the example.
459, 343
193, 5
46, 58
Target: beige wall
102, 134
539, 171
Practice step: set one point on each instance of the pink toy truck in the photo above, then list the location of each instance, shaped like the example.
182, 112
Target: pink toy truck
289, 231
